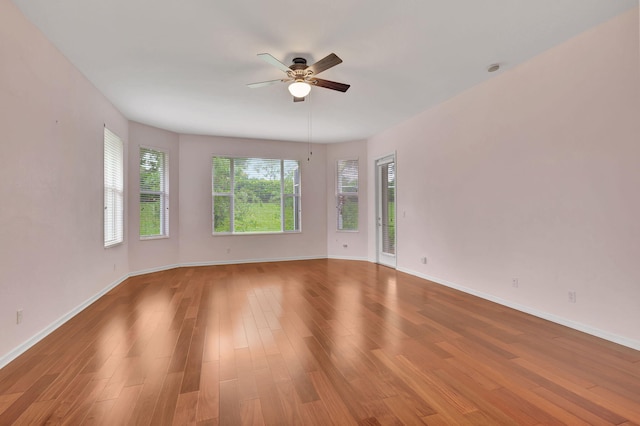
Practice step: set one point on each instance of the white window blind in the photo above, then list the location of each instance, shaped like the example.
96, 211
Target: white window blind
154, 193
255, 195
347, 195
113, 189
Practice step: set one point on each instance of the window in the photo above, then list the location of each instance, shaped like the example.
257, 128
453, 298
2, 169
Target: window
154, 193
113, 189
255, 195
347, 195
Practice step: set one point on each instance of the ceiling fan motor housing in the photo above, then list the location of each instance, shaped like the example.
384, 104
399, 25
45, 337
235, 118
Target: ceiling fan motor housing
298, 62
299, 70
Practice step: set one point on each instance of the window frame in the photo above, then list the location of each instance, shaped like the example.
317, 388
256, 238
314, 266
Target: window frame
283, 196
164, 195
113, 189
339, 194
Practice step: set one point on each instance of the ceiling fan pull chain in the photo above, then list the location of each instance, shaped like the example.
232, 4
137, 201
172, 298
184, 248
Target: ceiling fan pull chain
309, 128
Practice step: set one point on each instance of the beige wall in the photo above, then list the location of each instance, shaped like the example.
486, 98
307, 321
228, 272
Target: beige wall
148, 255
355, 242
533, 175
51, 178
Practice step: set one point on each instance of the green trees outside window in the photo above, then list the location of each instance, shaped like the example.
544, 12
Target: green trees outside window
154, 193
255, 195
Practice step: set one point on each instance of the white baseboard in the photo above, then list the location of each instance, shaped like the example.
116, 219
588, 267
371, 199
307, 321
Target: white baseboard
152, 270
242, 261
360, 259
630, 343
7, 358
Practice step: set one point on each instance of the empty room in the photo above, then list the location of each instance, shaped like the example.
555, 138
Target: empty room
303, 213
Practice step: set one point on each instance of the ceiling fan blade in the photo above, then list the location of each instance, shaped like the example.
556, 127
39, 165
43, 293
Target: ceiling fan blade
341, 87
267, 83
273, 61
324, 64
295, 99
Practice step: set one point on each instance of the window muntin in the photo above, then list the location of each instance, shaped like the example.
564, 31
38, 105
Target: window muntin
154, 193
113, 189
255, 195
347, 195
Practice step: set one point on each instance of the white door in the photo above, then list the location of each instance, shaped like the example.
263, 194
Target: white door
386, 210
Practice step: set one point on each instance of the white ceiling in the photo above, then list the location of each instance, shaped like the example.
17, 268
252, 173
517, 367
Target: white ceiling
184, 65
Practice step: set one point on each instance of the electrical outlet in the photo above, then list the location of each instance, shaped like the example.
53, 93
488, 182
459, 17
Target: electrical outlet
514, 283
423, 260
19, 316
572, 297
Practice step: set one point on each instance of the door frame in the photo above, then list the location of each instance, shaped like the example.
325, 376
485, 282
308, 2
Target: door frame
383, 258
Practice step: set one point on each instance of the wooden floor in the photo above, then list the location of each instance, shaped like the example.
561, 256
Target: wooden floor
314, 343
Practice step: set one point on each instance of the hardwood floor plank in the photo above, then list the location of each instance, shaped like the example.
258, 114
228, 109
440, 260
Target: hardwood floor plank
209, 394
99, 413
568, 412
520, 409
568, 390
314, 342
403, 410
272, 411
258, 354
303, 386
212, 339
181, 351
296, 342
337, 380
186, 409
164, 409
70, 396
8, 399
118, 379
448, 393
37, 413
247, 389
191, 380
251, 413
151, 388
335, 406
477, 393
38, 369
123, 408
446, 407
80, 407
229, 403
290, 403
626, 407
28, 397
315, 413
65, 377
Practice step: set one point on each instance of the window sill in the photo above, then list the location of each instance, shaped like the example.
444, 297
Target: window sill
114, 245
233, 234
154, 237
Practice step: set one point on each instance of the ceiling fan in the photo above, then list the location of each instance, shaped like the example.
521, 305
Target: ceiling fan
303, 75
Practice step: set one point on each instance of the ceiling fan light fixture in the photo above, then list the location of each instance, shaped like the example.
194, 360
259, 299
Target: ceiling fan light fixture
299, 89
